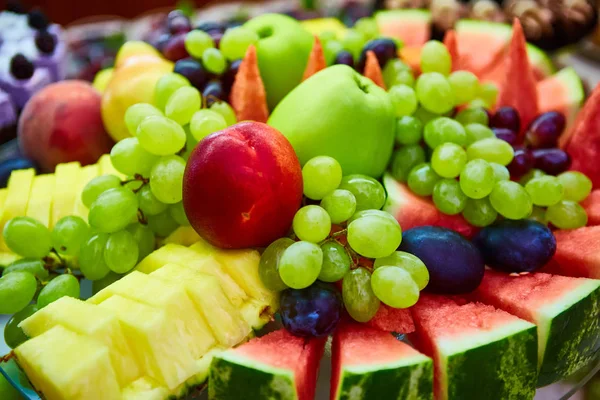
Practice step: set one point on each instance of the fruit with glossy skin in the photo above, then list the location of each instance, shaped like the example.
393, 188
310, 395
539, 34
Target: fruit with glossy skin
255, 181
358, 129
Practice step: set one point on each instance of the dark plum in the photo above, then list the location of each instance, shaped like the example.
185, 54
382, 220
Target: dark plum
213, 91
544, 131
229, 75
516, 246
385, 49
311, 312
551, 161
506, 134
174, 48
521, 163
455, 265
193, 71
344, 57
506, 117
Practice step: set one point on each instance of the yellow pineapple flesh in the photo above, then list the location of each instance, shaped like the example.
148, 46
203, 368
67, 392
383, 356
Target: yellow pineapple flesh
145, 388
184, 235
65, 190
87, 173
40, 201
17, 197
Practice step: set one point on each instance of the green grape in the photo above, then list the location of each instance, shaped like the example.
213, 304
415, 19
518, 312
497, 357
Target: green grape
404, 159
425, 116
492, 150
566, 214
477, 179
377, 213
161, 136
374, 236
511, 200
148, 203
16, 291
444, 130
353, 41
326, 36
268, 267
340, 205
405, 77
448, 160
409, 130
61, 286
422, 179
532, 174
479, 212
97, 186
34, 266
132, 184
136, 113
91, 257
183, 104
205, 122
501, 173
435, 58
27, 237
408, 262
113, 210
214, 61
221, 107
166, 179
121, 252
68, 235
448, 197
331, 50
321, 175
395, 287
488, 91
162, 224
144, 238
300, 264
164, 89
357, 293
336, 262
476, 132
178, 214
538, 214
105, 282
311, 224
368, 27
576, 185
13, 335
472, 116
197, 41
545, 191
434, 92
130, 158
404, 100
465, 86
236, 41
478, 103
395, 71
369, 193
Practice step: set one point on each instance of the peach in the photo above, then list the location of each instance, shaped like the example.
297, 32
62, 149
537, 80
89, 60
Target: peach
63, 123
242, 186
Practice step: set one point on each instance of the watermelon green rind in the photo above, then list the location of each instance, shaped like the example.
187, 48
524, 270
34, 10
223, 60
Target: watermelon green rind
540, 60
571, 80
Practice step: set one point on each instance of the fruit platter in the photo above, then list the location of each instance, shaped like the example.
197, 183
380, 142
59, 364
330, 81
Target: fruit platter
230, 208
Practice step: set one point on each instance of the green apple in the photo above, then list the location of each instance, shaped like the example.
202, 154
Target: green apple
283, 50
339, 113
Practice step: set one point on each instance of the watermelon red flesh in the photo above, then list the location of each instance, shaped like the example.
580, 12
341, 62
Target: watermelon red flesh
479, 352
390, 319
413, 27
592, 207
452, 46
411, 210
370, 364
577, 253
481, 44
565, 310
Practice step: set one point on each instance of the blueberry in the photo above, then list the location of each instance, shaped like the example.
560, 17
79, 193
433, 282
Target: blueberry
455, 265
516, 246
385, 49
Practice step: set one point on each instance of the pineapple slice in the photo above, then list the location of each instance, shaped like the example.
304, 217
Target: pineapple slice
184, 235
40, 201
180, 310
87, 173
106, 167
65, 365
145, 388
17, 197
65, 190
223, 318
157, 342
91, 321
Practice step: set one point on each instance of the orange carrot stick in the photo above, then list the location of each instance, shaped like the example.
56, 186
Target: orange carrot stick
316, 60
373, 70
248, 96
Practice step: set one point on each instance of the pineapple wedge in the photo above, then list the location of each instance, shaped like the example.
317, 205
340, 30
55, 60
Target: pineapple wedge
184, 235
173, 299
106, 167
64, 365
40, 201
17, 197
88, 320
145, 388
65, 191
87, 173
157, 342
224, 319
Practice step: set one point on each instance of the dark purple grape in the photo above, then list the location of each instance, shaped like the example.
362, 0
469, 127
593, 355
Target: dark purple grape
544, 131
212, 26
45, 42
175, 14
174, 49
506, 134
193, 71
229, 75
385, 49
551, 161
344, 57
21, 67
213, 92
521, 163
179, 24
311, 312
161, 41
506, 117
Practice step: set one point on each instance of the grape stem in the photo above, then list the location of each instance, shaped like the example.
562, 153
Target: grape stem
7, 357
339, 233
141, 217
136, 177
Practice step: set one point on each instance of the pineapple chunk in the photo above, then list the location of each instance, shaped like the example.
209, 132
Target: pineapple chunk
180, 310
17, 197
106, 167
65, 190
258, 313
223, 318
40, 201
87, 173
184, 235
64, 365
91, 321
145, 388
156, 341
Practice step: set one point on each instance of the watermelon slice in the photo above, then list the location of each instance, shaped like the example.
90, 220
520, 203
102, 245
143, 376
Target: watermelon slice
369, 364
565, 310
413, 27
411, 210
388, 319
479, 352
276, 366
592, 207
577, 253
452, 46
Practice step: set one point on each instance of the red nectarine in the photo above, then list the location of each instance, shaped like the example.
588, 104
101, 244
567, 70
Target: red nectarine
242, 186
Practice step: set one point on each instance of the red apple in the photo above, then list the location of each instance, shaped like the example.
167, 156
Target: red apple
242, 186
63, 123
